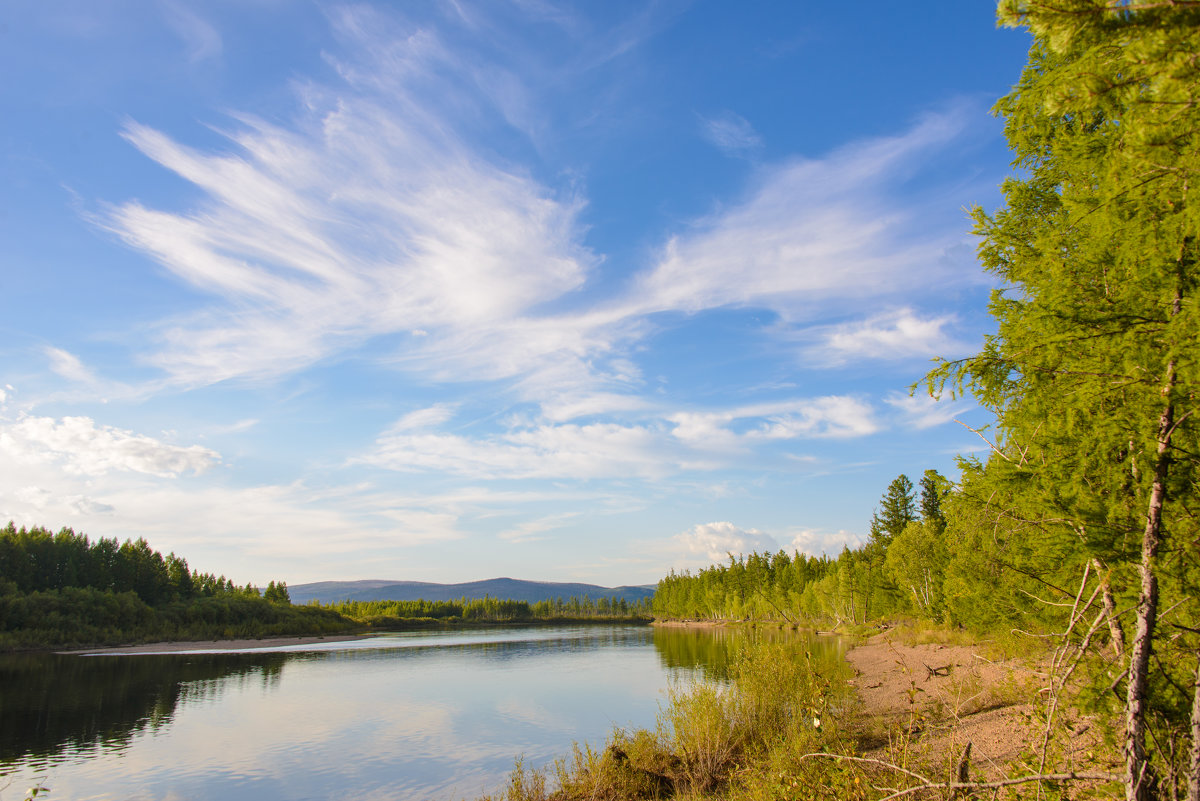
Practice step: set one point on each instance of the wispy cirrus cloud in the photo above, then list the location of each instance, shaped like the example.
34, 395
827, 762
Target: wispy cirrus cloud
368, 217
828, 417
201, 40
600, 450
920, 410
68, 365
731, 133
654, 447
374, 213
811, 231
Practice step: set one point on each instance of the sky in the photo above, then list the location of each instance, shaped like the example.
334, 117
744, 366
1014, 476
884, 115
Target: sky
446, 291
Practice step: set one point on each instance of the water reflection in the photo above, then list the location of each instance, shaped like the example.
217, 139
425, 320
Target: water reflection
54, 705
710, 651
418, 715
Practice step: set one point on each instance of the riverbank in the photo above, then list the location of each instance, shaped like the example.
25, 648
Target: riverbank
923, 699
209, 646
928, 699
924, 702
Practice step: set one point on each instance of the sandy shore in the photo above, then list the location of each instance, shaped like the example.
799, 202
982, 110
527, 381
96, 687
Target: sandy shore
216, 645
938, 698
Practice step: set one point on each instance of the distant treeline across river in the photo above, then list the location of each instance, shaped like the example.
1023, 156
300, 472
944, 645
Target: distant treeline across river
61, 590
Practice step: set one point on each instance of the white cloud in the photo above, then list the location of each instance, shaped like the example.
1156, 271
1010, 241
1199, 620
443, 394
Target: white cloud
372, 214
897, 334
69, 366
82, 447
599, 450
237, 427
810, 231
531, 530
829, 417
731, 133
654, 448
815, 542
921, 411
249, 533
717, 540
563, 406
42, 501
430, 417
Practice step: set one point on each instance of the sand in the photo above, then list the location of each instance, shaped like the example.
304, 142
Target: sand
944, 696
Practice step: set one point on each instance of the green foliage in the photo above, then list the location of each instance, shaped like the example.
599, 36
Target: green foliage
1091, 490
63, 590
916, 560
934, 488
405, 614
714, 739
759, 586
277, 593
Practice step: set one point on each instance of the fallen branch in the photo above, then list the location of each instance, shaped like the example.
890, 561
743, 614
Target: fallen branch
944, 670
926, 784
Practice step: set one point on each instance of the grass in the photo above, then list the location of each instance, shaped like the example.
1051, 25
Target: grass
783, 727
745, 739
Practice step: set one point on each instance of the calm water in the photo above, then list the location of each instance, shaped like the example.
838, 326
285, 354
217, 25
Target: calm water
404, 716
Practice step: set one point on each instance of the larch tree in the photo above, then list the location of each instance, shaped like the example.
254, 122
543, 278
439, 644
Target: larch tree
1093, 370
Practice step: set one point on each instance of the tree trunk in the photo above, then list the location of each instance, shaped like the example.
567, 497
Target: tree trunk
1194, 777
1140, 781
1110, 611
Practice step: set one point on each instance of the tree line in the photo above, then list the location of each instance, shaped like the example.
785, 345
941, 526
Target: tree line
382, 614
902, 569
63, 589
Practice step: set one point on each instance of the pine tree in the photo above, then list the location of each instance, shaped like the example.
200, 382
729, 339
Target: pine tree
897, 509
934, 487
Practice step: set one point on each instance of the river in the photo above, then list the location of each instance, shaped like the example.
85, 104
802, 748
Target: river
438, 716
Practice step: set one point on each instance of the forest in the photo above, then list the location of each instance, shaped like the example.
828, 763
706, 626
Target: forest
64, 590
392, 615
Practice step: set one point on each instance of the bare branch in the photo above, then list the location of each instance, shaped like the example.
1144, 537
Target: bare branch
979, 434
926, 784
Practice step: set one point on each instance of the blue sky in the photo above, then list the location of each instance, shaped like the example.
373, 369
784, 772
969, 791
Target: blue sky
449, 291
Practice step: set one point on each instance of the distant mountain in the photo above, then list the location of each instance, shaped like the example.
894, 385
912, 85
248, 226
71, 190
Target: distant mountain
504, 588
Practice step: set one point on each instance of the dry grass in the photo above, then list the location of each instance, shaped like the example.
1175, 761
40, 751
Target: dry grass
710, 738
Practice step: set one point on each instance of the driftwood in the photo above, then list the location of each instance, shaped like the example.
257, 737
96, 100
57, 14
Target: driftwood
944, 670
